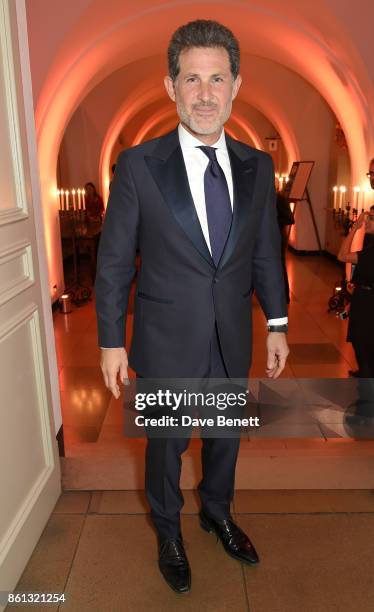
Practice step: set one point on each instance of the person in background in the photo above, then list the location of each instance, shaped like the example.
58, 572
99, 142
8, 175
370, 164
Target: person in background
361, 321
285, 219
94, 203
369, 238
370, 174
368, 243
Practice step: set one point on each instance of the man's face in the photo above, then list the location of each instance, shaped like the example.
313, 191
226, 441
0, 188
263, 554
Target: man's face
204, 90
371, 175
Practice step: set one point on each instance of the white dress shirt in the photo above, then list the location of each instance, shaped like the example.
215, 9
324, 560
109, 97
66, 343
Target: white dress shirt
196, 163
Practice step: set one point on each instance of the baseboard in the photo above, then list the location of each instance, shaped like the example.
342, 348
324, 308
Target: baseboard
323, 253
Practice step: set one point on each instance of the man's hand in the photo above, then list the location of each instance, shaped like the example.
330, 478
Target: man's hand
277, 353
114, 361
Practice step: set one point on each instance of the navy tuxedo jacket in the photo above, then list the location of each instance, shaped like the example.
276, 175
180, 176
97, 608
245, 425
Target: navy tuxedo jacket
180, 293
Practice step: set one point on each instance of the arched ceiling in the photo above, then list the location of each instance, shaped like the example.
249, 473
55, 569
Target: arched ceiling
75, 48
146, 111
106, 35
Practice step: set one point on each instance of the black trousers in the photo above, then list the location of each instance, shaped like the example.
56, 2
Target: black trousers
284, 236
365, 359
164, 463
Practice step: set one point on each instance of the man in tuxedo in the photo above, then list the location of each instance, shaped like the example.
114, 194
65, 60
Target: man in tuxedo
200, 208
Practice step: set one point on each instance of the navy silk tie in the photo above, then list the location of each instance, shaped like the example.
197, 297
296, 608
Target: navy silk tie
217, 203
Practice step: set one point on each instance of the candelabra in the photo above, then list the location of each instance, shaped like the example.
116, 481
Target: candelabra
73, 224
344, 218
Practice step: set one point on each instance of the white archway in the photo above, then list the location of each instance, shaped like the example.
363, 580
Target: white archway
101, 42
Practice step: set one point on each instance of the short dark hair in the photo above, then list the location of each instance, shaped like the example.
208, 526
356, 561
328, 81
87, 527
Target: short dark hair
90, 185
202, 33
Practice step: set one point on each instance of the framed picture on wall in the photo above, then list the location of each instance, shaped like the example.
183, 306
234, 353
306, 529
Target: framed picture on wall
298, 180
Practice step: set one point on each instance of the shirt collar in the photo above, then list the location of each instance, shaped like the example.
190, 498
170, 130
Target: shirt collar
188, 141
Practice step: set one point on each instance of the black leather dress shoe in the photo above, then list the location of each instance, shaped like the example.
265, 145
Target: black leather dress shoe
174, 566
235, 542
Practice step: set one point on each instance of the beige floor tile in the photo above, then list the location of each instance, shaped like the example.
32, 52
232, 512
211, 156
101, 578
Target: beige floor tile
304, 353
85, 354
288, 430
267, 444
112, 435
191, 502
306, 444
119, 502
114, 414
48, 568
311, 563
84, 406
73, 502
353, 447
80, 435
322, 370
302, 501
258, 369
77, 377
107, 473
115, 569
135, 502
286, 471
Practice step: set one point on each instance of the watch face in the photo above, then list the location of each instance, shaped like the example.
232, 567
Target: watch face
278, 328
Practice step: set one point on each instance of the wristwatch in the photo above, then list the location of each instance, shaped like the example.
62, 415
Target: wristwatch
283, 329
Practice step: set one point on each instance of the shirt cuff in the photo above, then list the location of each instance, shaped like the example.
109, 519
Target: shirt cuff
280, 321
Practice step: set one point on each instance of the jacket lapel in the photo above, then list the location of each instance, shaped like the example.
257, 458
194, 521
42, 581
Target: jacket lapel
166, 164
244, 171
167, 167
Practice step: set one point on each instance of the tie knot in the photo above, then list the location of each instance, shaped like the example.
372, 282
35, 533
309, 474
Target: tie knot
210, 152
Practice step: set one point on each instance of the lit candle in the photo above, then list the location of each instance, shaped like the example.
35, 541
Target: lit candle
74, 202
84, 198
335, 192
342, 196
356, 196
67, 199
79, 199
281, 179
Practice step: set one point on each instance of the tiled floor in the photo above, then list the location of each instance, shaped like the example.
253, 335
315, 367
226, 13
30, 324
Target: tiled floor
99, 456
316, 549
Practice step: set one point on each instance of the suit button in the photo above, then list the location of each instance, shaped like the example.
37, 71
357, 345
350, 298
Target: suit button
215, 280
